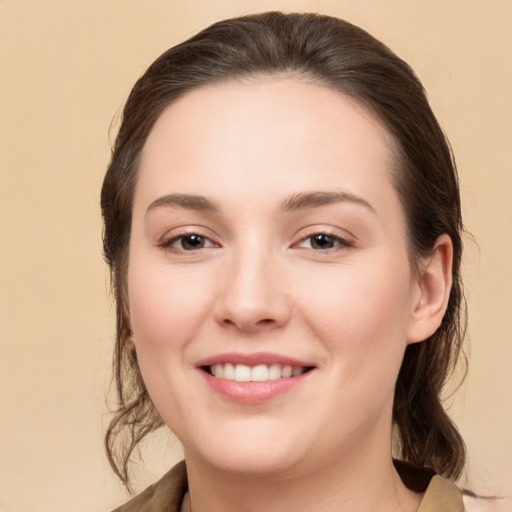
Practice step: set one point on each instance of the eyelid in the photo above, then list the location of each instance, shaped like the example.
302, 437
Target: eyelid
170, 242
167, 240
345, 241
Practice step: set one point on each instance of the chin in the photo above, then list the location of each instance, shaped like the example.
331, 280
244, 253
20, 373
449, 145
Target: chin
254, 464
256, 452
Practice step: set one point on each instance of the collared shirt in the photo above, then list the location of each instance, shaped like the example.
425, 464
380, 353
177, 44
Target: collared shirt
166, 495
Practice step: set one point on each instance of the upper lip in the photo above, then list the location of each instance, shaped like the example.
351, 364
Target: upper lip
253, 359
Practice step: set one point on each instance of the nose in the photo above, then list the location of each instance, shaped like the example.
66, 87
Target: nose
252, 294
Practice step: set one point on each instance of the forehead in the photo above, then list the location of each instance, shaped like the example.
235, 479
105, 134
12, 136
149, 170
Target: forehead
282, 134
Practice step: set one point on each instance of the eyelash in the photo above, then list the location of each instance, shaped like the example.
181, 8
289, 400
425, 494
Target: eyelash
168, 243
339, 242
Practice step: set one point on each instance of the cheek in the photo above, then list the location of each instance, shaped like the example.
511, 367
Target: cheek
362, 318
168, 307
359, 300
167, 310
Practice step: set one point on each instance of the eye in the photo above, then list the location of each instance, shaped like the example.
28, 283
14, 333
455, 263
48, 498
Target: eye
188, 242
323, 241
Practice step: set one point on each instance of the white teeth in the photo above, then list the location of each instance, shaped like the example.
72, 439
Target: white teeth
218, 370
242, 373
287, 372
274, 372
259, 373
297, 370
229, 372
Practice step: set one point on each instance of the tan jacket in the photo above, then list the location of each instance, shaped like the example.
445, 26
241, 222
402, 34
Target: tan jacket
166, 495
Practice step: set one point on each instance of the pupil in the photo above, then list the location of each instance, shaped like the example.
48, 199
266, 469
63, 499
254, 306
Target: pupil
192, 242
322, 242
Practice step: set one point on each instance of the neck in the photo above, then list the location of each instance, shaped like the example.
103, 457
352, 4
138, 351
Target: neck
363, 482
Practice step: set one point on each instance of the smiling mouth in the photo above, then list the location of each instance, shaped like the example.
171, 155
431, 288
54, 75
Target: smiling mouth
257, 373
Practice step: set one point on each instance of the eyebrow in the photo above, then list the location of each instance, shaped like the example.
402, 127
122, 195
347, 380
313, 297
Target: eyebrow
187, 201
299, 201
304, 200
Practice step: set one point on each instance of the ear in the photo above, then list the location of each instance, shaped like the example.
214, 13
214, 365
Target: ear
431, 291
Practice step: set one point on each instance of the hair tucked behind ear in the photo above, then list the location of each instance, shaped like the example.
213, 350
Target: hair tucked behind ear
338, 55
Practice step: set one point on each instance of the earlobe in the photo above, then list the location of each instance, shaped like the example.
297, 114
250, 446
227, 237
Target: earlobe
432, 291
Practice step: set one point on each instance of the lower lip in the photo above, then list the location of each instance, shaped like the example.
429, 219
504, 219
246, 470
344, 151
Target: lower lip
253, 392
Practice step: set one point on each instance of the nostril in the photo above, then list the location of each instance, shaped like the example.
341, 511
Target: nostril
266, 321
248, 325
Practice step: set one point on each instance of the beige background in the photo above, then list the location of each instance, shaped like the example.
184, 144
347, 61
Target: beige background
66, 68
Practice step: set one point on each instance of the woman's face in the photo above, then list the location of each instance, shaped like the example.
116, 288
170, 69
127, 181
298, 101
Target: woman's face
268, 243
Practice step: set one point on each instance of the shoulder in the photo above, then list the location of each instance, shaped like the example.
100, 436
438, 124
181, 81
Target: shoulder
442, 495
165, 495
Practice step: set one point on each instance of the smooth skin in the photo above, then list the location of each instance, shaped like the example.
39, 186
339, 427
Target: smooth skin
265, 220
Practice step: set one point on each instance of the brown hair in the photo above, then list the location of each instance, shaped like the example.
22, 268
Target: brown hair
341, 56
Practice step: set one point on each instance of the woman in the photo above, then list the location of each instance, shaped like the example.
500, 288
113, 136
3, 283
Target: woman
283, 228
